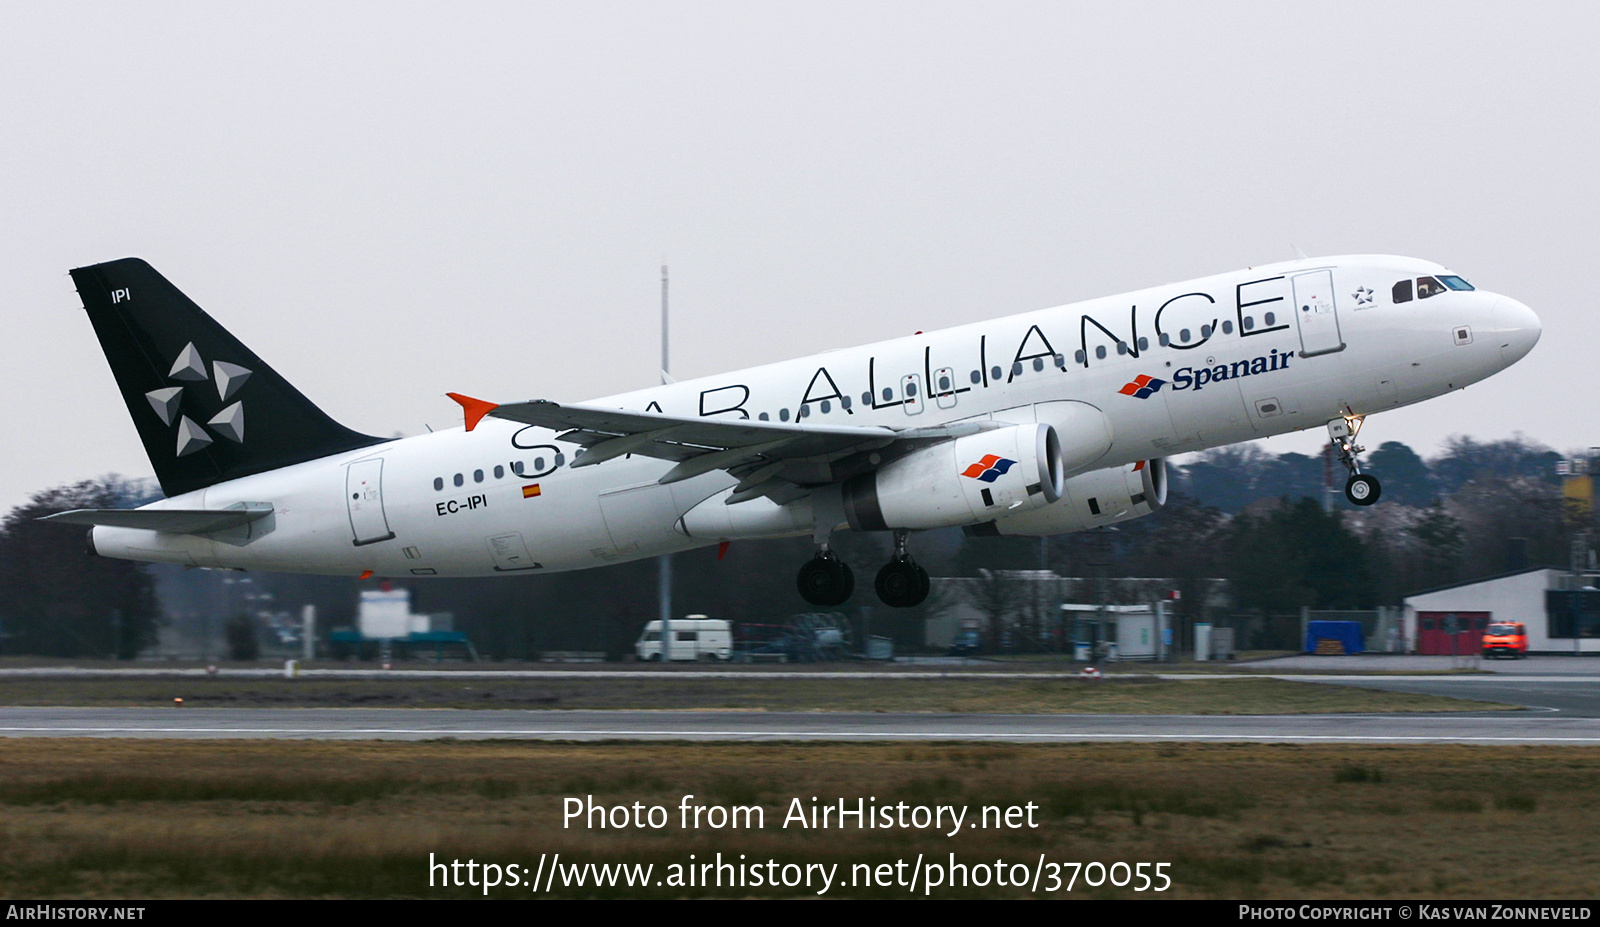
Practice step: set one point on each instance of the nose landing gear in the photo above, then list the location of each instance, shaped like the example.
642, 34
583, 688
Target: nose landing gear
1360, 488
902, 583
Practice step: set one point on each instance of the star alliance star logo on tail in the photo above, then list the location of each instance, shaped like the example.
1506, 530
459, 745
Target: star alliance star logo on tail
989, 469
167, 402
1142, 387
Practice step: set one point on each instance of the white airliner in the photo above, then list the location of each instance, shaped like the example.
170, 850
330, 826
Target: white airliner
1037, 424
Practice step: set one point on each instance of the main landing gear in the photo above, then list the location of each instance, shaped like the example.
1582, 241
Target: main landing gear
1360, 488
828, 581
825, 579
902, 583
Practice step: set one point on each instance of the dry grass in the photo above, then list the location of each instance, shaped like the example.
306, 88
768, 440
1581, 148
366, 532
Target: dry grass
308, 819
1132, 694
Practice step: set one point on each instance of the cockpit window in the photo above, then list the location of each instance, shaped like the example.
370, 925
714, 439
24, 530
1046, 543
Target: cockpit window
1455, 283
1402, 291
1427, 286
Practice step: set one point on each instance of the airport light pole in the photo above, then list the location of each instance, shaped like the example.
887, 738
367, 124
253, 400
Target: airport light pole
664, 562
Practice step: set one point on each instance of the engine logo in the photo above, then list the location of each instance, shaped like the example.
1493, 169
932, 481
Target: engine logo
989, 469
1142, 387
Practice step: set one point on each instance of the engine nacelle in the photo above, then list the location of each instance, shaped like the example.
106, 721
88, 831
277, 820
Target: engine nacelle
1103, 497
972, 479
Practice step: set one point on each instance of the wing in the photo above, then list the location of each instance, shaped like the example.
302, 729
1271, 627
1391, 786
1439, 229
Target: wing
777, 459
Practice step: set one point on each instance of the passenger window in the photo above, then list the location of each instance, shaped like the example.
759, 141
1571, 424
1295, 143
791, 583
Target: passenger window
438, 483
459, 480
499, 472
477, 476
1427, 286
1402, 291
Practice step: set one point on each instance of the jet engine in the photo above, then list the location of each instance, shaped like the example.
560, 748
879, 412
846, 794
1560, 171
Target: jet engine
971, 479
1101, 497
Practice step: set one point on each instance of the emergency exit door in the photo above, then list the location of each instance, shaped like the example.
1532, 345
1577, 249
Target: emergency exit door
1317, 313
363, 493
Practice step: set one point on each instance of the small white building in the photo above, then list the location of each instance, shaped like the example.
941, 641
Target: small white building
386, 613
1451, 619
1136, 630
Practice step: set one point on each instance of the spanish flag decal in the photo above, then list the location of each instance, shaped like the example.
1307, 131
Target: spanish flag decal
529, 491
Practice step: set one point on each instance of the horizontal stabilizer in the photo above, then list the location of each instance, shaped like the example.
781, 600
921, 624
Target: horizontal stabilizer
171, 521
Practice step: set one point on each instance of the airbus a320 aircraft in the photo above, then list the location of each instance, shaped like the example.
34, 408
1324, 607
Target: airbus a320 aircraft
1044, 423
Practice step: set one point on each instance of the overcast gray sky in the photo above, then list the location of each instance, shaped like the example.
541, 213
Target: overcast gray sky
388, 201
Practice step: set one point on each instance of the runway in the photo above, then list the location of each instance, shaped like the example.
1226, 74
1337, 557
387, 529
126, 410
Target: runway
1534, 727
1563, 709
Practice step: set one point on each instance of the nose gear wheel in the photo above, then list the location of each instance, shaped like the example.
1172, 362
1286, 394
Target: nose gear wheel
1360, 488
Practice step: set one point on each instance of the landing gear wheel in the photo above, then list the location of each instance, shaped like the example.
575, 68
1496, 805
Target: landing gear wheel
902, 583
1362, 489
826, 580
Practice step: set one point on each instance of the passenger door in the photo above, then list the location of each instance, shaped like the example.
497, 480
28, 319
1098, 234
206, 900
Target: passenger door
363, 492
1317, 313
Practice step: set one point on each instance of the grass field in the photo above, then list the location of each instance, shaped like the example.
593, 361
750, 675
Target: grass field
306, 819
1138, 694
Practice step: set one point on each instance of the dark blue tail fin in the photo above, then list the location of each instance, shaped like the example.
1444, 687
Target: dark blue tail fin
207, 408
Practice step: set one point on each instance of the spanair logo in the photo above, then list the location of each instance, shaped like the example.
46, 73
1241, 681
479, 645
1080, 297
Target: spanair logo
1142, 387
168, 401
1197, 378
989, 469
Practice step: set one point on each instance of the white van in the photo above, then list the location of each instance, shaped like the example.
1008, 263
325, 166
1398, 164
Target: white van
695, 637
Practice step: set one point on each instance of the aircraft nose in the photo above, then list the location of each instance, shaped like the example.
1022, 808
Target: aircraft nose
1519, 329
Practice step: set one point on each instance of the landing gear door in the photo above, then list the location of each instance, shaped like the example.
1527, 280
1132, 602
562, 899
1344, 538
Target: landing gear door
363, 493
1315, 310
